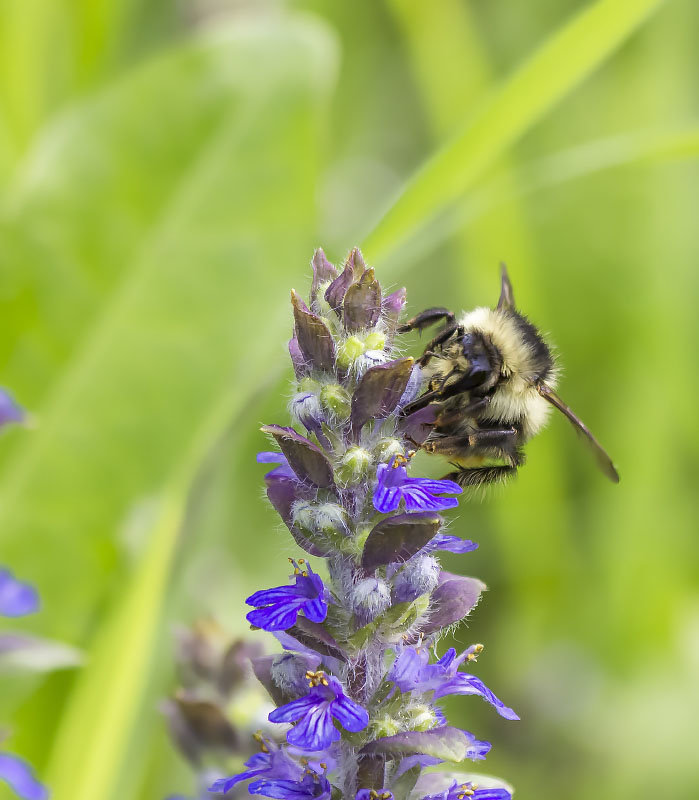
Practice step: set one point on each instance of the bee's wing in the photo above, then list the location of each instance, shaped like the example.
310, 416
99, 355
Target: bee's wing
603, 459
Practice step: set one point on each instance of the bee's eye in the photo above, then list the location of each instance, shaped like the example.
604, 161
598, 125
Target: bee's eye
476, 352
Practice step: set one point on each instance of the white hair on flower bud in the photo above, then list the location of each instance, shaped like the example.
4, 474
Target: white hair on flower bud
419, 576
389, 447
369, 598
302, 514
289, 674
305, 409
371, 358
330, 516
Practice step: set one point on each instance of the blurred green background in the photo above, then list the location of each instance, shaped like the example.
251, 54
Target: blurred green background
166, 170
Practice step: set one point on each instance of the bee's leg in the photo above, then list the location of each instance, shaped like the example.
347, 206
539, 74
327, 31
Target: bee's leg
448, 418
427, 317
420, 402
442, 337
481, 476
495, 442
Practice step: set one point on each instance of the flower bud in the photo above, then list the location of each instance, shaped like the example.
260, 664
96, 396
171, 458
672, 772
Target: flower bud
349, 351
421, 717
289, 674
302, 515
369, 598
324, 524
368, 359
305, 409
354, 466
376, 340
419, 576
336, 401
387, 448
330, 518
385, 725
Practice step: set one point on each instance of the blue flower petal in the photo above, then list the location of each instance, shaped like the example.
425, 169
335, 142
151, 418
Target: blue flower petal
418, 499
312, 786
285, 790
405, 672
386, 499
279, 594
316, 610
270, 457
9, 410
315, 731
349, 714
258, 765
449, 544
436, 487
470, 684
16, 598
294, 710
21, 779
280, 617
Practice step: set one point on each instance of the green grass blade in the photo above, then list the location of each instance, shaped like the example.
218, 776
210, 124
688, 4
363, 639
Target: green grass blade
104, 714
163, 313
494, 196
542, 82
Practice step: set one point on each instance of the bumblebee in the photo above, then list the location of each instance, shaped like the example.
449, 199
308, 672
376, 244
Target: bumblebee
491, 380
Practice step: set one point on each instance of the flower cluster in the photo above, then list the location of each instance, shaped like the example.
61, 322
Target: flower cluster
218, 706
17, 599
358, 686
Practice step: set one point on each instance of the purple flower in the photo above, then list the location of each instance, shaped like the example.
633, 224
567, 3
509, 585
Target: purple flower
312, 786
419, 494
16, 598
278, 608
9, 410
449, 544
412, 672
282, 471
259, 764
20, 777
315, 713
469, 791
276, 764
418, 760
372, 794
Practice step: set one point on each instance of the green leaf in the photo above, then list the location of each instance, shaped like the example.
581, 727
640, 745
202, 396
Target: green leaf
392, 623
537, 87
138, 341
149, 239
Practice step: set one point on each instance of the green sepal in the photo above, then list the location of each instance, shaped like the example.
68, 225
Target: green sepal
392, 624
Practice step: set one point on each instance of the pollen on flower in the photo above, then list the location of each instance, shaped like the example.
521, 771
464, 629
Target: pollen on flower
318, 678
475, 651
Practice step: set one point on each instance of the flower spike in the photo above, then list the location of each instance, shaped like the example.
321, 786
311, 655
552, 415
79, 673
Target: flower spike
358, 686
